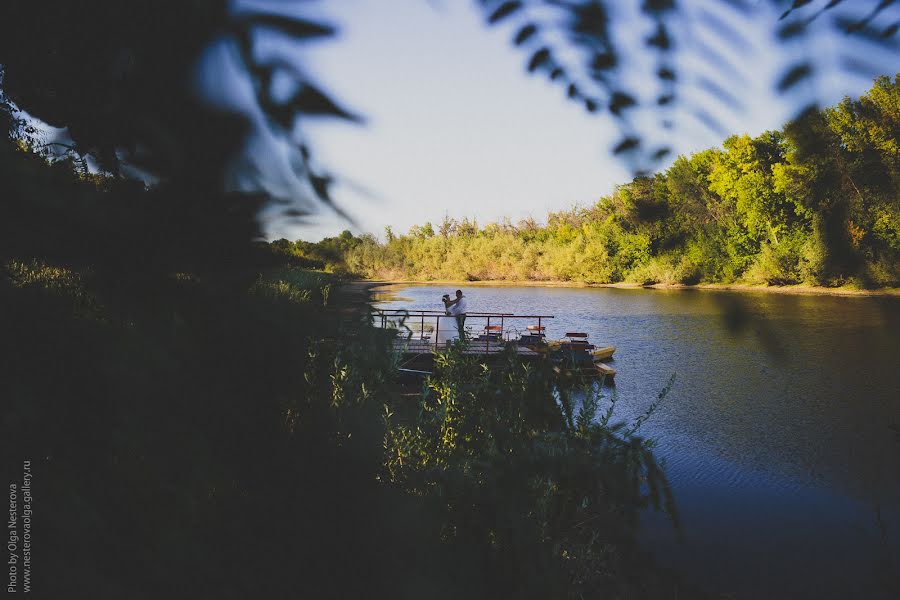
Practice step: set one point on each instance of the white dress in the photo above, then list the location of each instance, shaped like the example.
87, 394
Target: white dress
445, 330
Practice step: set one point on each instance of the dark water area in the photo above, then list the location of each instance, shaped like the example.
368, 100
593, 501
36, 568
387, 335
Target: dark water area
781, 435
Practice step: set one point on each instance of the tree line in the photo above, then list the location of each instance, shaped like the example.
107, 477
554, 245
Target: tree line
817, 202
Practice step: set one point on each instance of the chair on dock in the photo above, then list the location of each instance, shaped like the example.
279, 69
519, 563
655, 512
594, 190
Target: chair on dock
533, 337
492, 332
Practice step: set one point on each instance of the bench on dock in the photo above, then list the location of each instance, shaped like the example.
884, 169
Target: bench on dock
495, 331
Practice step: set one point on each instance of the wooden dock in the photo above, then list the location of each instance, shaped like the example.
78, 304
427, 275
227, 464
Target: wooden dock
490, 335
416, 347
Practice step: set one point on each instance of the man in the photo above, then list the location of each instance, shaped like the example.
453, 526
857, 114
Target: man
457, 308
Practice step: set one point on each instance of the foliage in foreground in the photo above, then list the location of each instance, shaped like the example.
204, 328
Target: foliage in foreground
205, 419
530, 481
815, 203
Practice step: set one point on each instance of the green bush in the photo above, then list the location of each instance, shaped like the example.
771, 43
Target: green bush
529, 480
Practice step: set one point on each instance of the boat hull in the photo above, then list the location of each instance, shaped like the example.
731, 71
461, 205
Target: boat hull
603, 353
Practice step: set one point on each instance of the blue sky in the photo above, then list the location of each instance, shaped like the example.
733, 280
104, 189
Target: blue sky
454, 125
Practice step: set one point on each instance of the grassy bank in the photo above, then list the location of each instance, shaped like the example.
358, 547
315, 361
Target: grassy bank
251, 417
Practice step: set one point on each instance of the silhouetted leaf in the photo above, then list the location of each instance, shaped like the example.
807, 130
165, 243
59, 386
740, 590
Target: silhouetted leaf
292, 26
793, 76
657, 6
791, 30
539, 58
590, 105
321, 185
603, 61
666, 74
503, 11
525, 33
586, 33
620, 101
878, 9
660, 39
628, 144
661, 153
311, 101
590, 19
796, 4
865, 31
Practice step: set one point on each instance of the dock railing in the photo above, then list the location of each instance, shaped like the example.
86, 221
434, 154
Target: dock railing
388, 315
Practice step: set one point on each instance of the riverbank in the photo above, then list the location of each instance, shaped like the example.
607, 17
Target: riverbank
729, 287
352, 297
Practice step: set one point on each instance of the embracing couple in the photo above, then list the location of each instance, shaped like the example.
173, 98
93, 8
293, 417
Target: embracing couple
456, 308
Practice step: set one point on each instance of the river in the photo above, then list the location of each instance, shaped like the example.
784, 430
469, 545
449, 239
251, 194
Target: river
781, 435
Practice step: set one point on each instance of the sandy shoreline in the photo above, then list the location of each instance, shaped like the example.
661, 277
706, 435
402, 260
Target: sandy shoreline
730, 287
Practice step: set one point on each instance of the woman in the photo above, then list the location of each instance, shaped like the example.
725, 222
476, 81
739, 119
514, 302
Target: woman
446, 328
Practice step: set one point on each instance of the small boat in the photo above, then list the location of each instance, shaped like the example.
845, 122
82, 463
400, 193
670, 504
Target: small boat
575, 356
605, 353
605, 370
595, 371
578, 340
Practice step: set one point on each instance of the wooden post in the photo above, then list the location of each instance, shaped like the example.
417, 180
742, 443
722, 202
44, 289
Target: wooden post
437, 332
487, 349
422, 327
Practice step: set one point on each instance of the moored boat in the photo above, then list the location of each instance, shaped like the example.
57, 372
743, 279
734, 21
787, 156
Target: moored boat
605, 370
604, 353
578, 340
575, 356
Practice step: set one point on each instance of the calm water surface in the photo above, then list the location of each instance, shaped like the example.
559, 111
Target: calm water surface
781, 436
